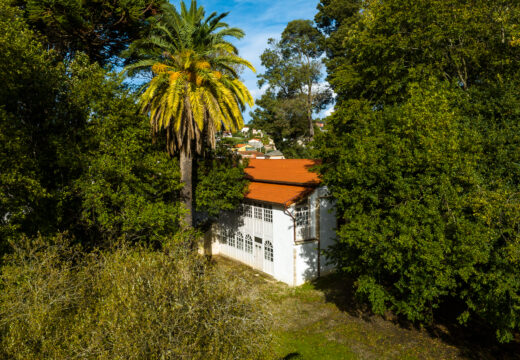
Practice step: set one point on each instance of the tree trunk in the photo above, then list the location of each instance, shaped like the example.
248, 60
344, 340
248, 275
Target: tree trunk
311, 125
309, 110
186, 163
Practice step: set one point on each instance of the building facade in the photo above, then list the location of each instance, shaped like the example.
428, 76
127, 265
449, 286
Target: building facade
287, 218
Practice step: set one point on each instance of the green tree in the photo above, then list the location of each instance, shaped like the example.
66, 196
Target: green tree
71, 149
100, 29
221, 183
195, 90
128, 187
294, 89
421, 154
38, 121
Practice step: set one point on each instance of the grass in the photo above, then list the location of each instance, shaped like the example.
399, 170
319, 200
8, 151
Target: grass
322, 321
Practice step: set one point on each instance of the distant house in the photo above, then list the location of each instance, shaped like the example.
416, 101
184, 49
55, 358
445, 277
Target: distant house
252, 154
285, 221
244, 147
245, 130
275, 155
269, 147
227, 134
256, 143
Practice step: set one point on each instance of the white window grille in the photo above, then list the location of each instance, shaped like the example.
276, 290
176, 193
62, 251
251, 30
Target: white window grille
268, 251
258, 213
302, 216
240, 241
231, 239
249, 244
223, 237
247, 211
268, 213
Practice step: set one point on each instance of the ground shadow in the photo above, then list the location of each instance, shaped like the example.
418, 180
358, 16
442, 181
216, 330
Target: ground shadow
473, 341
292, 356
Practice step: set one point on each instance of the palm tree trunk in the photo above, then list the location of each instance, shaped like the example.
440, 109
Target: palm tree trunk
187, 191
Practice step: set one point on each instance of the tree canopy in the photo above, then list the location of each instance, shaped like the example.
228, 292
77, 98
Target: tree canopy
101, 29
294, 88
421, 154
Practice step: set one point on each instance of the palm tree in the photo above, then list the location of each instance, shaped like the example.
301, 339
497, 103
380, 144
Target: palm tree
195, 90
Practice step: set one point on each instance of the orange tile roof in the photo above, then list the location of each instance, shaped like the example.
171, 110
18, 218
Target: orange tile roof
283, 171
275, 193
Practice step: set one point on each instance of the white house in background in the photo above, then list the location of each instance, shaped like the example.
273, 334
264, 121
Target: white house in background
256, 143
257, 133
245, 130
286, 219
275, 155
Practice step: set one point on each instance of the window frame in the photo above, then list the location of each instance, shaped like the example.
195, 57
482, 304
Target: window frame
248, 244
268, 251
239, 241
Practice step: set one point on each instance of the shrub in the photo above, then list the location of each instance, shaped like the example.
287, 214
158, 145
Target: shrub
127, 303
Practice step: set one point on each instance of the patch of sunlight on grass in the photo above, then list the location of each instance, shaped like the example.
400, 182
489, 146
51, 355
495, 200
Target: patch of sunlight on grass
309, 346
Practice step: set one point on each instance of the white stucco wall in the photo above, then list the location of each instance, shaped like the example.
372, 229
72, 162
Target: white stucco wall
328, 225
283, 246
306, 259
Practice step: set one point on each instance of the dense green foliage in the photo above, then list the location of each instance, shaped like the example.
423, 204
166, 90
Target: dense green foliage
42, 118
75, 154
129, 187
422, 155
99, 28
76, 157
126, 303
293, 90
221, 184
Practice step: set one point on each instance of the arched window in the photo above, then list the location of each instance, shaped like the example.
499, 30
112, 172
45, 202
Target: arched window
268, 251
231, 239
240, 241
249, 244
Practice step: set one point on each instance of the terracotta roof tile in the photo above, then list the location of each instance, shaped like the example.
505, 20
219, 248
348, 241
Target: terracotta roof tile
284, 171
275, 193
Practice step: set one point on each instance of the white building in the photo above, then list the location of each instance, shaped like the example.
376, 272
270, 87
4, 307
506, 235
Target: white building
256, 143
275, 155
284, 222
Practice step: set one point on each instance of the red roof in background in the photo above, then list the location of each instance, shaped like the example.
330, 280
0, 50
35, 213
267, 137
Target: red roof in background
283, 171
275, 193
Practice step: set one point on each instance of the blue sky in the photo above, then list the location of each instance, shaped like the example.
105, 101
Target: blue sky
261, 20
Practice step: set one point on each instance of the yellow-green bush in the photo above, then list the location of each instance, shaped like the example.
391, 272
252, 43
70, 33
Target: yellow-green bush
127, 303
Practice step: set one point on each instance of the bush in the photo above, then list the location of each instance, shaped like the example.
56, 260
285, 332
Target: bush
128, 303
429, 206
